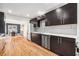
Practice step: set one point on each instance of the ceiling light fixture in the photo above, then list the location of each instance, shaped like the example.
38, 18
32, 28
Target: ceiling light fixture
9, 11
28, 15
58, 10
41, 12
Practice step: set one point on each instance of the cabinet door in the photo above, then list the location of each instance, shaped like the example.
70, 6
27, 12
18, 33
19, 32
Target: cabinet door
54, 44
70, 13
36, 38
52, 19
46, 41
2, 23
67, 46
66, 14
62, 46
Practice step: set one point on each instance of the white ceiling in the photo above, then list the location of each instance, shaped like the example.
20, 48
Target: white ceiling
22, 9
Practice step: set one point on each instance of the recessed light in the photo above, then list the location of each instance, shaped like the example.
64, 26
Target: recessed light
41, 12
9, 11
58, 10
28, 15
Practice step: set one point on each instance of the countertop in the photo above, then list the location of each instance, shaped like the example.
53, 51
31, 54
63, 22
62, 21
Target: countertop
62, 35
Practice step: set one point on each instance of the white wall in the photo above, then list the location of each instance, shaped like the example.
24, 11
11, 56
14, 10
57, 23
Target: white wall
18, 20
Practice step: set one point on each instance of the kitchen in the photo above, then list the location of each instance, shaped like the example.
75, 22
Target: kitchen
54, 29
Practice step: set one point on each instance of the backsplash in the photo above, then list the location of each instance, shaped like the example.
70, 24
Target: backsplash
68, 29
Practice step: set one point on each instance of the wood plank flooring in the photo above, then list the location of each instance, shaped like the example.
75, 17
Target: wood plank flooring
20, 46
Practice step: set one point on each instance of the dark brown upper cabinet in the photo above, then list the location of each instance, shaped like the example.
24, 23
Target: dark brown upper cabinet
66, 14
70, 13
36, 21
52, 19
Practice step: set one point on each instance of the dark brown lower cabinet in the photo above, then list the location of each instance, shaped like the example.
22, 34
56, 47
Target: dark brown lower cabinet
36, 38
62, 46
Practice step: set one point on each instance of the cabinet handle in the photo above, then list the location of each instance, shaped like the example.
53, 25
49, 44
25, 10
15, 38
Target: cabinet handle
60, 40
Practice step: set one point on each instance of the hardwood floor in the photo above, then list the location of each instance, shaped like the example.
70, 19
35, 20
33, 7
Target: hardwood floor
19, 46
